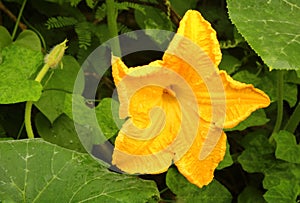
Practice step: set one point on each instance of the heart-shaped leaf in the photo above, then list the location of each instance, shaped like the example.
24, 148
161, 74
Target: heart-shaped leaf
37, 171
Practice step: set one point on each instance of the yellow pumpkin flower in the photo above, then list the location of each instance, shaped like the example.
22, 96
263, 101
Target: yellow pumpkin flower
171, 110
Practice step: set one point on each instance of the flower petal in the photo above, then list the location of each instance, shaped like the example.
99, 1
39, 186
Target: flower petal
194, 27
153, 119
241, 100
201, 171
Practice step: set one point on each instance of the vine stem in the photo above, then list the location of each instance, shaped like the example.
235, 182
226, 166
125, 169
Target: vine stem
112, 15
18, 19
279, 103
294, 120
11, 15
28, 105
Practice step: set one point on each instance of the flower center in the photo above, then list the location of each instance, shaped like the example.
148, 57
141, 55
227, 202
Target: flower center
169, 91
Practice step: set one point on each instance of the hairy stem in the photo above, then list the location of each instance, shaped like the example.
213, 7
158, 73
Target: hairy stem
279, 103
294, 120
18, 19
112, 15
28, 105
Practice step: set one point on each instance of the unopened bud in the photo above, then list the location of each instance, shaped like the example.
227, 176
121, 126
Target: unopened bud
55, 55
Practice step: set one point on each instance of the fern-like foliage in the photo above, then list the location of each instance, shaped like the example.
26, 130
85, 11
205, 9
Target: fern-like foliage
91, 3
101, 12
60, 22
75, 2
84, 34
127, 5
127, 31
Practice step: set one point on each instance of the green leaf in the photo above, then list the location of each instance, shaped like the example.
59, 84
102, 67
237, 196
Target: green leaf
154, 19
107, 116
229, 63
285, 191
18, 65
251, 194
60, 83
282, 179
258, 153
257, 118
5, 38
29, 40
51, 104
187, 192
100, 120
227, 161
37, 171
64, 79
286, 147
271, 28
62, 132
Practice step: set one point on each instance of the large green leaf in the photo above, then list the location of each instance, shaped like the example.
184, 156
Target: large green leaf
16, 69
37, 171
187, 192
286, 147
271, 28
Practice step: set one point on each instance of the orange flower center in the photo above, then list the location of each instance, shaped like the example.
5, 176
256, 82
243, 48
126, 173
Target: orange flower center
169, 92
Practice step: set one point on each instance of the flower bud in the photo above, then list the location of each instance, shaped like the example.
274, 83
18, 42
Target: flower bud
55, 55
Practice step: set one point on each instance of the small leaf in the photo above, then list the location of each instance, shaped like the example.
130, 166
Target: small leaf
100, 120
29, 39
286, 147
64, 79
51, 104
59, 83
229, 63
62, 132
106, 115
18, 65
5, 38
257, 118
37, 171
187, 192
271, 28
227, 161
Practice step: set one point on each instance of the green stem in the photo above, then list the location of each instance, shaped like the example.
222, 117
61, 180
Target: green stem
42, 73
112, 15
294, 120
28, 105
28, 125
279, 103
18, 19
